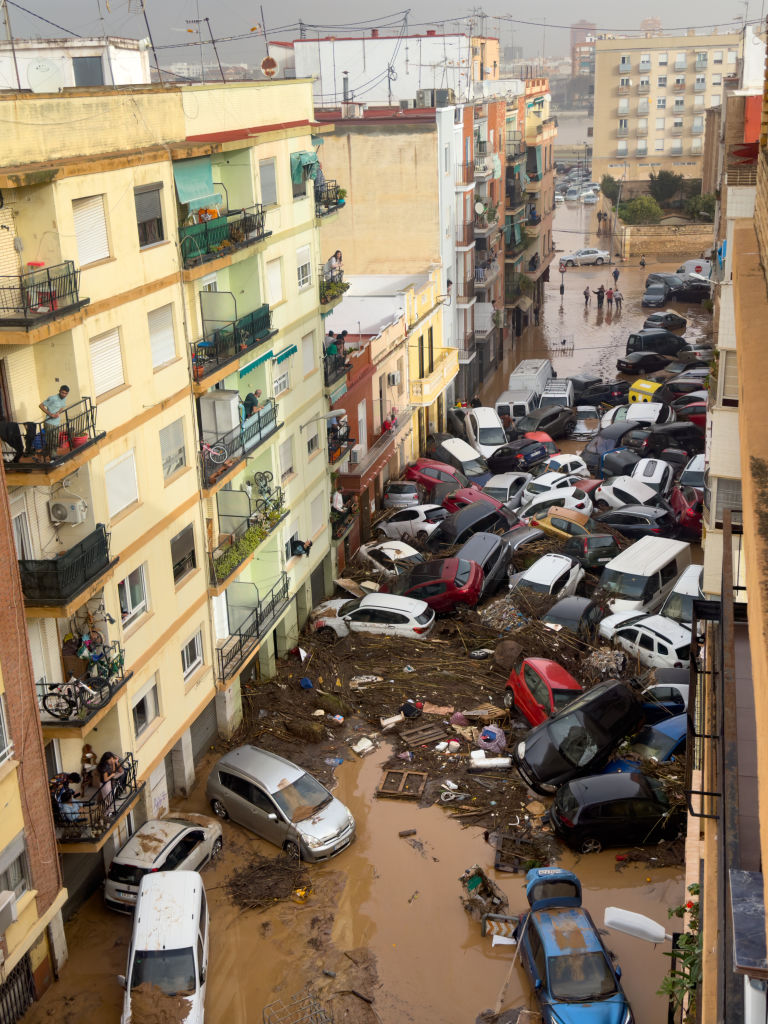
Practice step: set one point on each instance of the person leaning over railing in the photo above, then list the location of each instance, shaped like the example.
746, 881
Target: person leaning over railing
53, 406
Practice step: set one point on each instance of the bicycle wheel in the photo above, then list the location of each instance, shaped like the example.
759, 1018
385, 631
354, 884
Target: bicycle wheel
259, 506
57, 705
263, 479
217, 453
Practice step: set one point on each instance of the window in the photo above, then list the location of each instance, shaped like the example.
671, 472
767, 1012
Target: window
642, 125
695, 146
192, 654
622, 147
681, 59
645, 58
304, 266
661, 81
308, 353
161, 337
275, 281
88, 71
698, 124
282, 383
172, 451
717, 79
624, 106
623, 124
316, 513
645, 83
679, 106
6, 744
183, 553
313, 443
625, 62
21, 536
730, 378
286, 458
658, 145
14, 867
120, 479
149, 213
90, 229
660, 123
717, 57
698, 101
727, 495
624, 83
661, 102
106, 362
679, 81
714, 99
291, 540
642, 148
145, 707
132, 595
268, 182
662, 60
732, 56
677, 122
701, 58
701, 83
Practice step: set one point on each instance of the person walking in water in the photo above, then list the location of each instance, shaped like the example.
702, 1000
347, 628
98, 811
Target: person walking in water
616, 273
587, 295
642, 261
609, 298
600, 293
618, 298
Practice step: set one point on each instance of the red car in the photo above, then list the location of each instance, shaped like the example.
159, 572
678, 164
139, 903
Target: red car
545, 439
442, 583
588, 484
692, 408
430, 473
688, 505
468, 496
539, 688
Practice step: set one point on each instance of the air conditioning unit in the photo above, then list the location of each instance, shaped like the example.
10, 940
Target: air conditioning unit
425, 97
393, 379
355, 454
70, 510
352, 110
445, 97
8, 911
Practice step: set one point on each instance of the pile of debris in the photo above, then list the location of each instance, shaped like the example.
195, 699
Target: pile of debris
264, 881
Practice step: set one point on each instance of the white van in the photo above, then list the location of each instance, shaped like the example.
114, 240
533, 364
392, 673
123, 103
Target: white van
531, 375
485, 431
516, 403
702, 267
687, 589
644, 574
169, 945
557, 392
462, 456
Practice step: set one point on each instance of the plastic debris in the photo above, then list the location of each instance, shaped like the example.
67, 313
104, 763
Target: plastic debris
306, 684
408, 668
363, 746
334, 761
492, 738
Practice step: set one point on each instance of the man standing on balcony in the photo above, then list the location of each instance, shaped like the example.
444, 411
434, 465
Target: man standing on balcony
53, 406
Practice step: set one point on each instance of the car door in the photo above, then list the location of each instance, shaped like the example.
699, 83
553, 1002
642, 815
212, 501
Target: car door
435, 594
646, 648
393, 623
362, 620
400, 525
532, 696
618, 825
536, 960
646, 824
627, 638
236, 793
265, 818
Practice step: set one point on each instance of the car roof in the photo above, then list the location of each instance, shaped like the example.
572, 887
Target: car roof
478, 545
148, 842
574, 514
436, 569
558, 677
547, 568
436, 464
632, 484
567, 931
689, 581
485, 414
652, 469
167, 910
666, 628
271, 770
673, 726
401, 485
392, 548
571, 607
462, 450
592, 789
643, 510
505, 479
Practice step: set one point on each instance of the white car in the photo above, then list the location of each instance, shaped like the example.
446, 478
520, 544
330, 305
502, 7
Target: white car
549, 482
583, 257
508, 488
588, 196
587, 422
484, 430
562, 497
673, 696
654, 640
559, 197
640, 413
557, 575
564, 463
687, 589
390, 557
412, 523
383, 614
617, 491
655, 473
693, 474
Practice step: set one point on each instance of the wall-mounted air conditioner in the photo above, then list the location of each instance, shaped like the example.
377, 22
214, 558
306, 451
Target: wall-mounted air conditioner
67, 509
355, 454
393, 379
8, 911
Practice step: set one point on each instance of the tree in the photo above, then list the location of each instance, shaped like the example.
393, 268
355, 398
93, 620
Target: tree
643, 210
700, 207
609, 187
664, 185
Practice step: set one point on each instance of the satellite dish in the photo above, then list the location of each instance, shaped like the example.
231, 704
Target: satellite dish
269, 66
479, 208
45, 76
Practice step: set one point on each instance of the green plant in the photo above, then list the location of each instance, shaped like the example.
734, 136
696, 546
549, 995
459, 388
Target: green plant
609, 187
341, 193
682, 981
664, 185
643, 210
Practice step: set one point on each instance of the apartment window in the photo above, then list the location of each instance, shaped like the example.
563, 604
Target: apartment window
658, 145
730, 378
90, 229
701, 83
282, 383
622, 147
275, 281
662, 60
304, 266
624, 106
623, 124
677, 122
642, 149
681, 60
701, 57
308, 353
695, 146
14, 867
316, 513
22, 538
122, 485
209, 283
132, 594
714, 99
625, 62
88, 72
732, 56
643, 107
313, 443
183, 557
661, 81
268, 182
679, 106
660, 124
106, 362
149, 213
172, 450
162, 339
624, 83
145, 707
727, 495
286, 458
698, 101
192, 654
645, 83
642, 125
645, 58
717, 57
698, 124
661, 102
291, 540
717, 79
680, 82
6, 745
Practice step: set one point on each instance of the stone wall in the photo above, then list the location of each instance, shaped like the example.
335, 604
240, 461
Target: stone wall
664, 241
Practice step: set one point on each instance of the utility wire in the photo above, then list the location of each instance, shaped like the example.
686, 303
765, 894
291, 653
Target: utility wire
41, 18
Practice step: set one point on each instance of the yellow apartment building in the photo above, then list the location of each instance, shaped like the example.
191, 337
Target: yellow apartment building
161, 262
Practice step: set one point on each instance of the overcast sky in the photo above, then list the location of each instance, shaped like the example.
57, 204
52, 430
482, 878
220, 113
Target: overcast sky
546, 30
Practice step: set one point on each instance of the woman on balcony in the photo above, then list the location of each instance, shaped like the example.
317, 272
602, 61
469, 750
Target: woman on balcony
333, 271
112, 778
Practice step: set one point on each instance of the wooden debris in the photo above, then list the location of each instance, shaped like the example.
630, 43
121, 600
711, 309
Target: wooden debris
402, 784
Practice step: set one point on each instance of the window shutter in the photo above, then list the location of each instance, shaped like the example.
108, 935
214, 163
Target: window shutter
120, 479
286, 456
147, 199
730, 377
268, 182
172, 450
316, 512
275, 281
161, 336
182, 544
90, 229
107, 362
308, 352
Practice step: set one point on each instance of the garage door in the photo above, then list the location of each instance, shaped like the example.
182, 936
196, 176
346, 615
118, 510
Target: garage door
17, 993
317, 582
204, 731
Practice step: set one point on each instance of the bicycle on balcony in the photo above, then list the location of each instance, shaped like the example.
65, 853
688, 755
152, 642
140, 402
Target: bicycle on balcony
217, 452
76, 697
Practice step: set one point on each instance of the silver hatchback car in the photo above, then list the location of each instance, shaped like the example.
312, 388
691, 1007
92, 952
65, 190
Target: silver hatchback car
280, 802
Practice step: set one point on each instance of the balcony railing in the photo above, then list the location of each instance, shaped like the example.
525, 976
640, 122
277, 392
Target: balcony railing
515, 147
327, 198
483, 165
334, 368
332, 284
701, 65
341, 524
339, 443
88, 820
699, 86
644, 87
228, 343
465, 290
467, 348
375, 451
486, 221
641, 130
676, 151
678, 86
641, 151
40, 295
676, 129
465, 233
219, 456
624, 68
54, 581
426, 389
644, 65
39, 443
485, 273
681, 65
200, 243
81, 697
643, 108
266, 514
623, 90
241, 644
465, 173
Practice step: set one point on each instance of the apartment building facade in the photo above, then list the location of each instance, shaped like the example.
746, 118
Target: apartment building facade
651, 97
164, 267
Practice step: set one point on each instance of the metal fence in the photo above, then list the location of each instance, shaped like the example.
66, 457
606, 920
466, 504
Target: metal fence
231, 341
56, 580
241, 644
39, 294
211, 239
265, 515
53, 444
86, 820
238, 442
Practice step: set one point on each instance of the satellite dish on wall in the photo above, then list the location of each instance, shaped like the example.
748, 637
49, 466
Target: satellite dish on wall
269, 67
479, 208
45, 76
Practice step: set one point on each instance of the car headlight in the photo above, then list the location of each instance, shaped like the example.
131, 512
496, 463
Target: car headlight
521, 749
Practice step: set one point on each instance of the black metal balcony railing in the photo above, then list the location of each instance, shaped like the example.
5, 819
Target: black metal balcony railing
52, 445
342, 523
485, 273
200, 243
266, 514
88, 819
467, 347
327, 198
222, 454
339, 443
57, 580
40, 295
334, 368
332, 284
533, 219
231, 341
80, 698
239, 646
465, 233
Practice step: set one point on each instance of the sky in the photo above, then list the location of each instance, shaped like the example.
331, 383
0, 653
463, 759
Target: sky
540, 29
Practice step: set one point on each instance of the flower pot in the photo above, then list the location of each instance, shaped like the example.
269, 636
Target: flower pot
79, 440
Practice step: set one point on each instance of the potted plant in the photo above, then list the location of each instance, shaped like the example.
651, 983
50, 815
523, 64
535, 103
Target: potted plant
341, 197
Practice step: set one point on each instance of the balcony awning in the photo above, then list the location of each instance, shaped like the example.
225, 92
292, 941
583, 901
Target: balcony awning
194, 181
524, 303
303, 165
317, 140
256, 362
338, 392
285, 354
496, 165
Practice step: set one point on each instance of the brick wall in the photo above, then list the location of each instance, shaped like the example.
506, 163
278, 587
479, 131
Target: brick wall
24, 720
761, 211
667, 241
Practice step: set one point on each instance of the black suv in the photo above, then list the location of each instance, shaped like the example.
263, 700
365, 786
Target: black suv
656, 339
479, 517
652, 441
607, 392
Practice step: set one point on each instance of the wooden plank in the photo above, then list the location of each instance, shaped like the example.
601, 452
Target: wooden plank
429, 732
485, 713
402, 784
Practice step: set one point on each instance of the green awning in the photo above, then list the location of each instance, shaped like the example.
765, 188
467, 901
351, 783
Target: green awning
285, 354
194, 181
256, 362
338, 393
303, 166
317, 140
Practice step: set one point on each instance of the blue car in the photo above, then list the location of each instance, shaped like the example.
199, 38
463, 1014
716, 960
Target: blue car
660, 742
571, 971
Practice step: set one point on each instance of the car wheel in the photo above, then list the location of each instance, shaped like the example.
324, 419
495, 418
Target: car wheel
292, 851
570, 263
509, 700
421, 536
599, 261
590, 845
602, 506
216, 849
219, 809
327, 635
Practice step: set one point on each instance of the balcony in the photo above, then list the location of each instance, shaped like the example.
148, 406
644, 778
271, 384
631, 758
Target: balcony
245, 640
644, 66
701, 65
487, 222
339, 443
219, 457
264, 516
465, 290
328, 198
335, 367
425, 390
227, 344
40, 295
641, 151
697, 129
55, 582
342, 524
676, 129
641, 130
515, 196
699, 86
74, 704
676, 150
465, 174
332, 288
91, 819
678, 86
643, 88
37, 454
533, 183
465, 234
483, 162
623, 90
201, 243
624, 68
643, 108
358, 474
514, 146
467, 349
487, 320
622, 133
486, 273
681, 65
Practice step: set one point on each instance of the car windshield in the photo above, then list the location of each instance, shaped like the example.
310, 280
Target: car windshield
572, 738
652, 743
679, 607
527, 423
492, 435
170, 970
125, 874
475, 467
463, 572
349, 606
562, 698
693, 478
301, 799
580, 977
537, 488
499, 493
624, 584
540, 588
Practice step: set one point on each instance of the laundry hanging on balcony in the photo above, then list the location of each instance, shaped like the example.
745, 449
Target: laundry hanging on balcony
285, 354
256, 362
303, 165
194, 182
